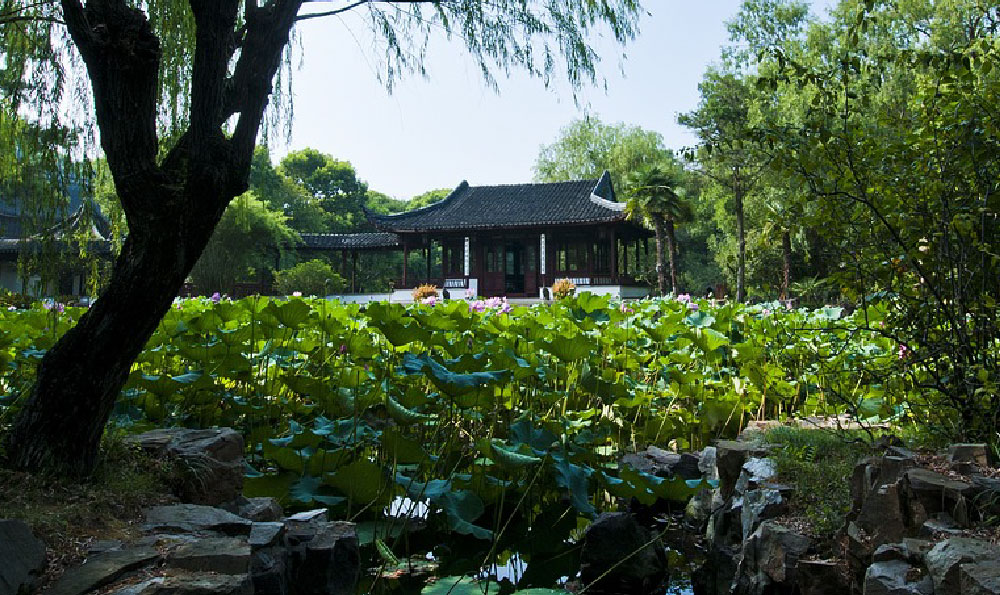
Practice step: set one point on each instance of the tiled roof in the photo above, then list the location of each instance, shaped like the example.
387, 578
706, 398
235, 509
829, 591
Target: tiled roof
514, 205
349, 241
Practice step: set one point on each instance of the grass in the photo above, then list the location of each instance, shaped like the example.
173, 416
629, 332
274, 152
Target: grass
68, 515
818, 464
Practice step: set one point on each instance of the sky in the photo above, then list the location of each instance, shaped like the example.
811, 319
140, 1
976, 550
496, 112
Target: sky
435, 132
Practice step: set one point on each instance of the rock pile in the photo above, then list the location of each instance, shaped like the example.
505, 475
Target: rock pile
907, 533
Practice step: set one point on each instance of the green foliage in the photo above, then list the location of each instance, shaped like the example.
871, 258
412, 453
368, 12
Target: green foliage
246, 243
818, 464
586, 147
312, 277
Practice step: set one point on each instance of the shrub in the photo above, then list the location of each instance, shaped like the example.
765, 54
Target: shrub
313, 277
424, 291
563, 288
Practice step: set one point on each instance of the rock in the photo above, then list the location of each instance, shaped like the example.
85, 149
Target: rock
755, 471
261, 510
664, 463
945, 558
194, 583
821, 577
770, 559
706, 463
941, 524
980, 578
872, 472
194, 518
909, 550
328, 563
266, 534
104, 545
985, 498
759, 505
621, 556
222, 555
938, 493
22, 557
210, 461
103, 569
318, 514
882, 517
729, 458
895, 577
966, 458
267, 571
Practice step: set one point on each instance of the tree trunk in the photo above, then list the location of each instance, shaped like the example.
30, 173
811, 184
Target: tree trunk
661, 275
741, 267
61, 422
172, 206
786, 263
672, 247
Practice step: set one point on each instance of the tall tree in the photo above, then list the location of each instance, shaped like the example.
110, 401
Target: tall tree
656, 193
203, 71
587, 146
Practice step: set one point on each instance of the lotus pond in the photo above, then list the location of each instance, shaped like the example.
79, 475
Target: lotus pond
477, 441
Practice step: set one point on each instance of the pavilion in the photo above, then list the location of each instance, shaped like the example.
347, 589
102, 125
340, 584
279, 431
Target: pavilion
510, 240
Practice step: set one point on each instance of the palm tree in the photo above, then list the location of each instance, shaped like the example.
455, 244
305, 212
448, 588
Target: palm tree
655, 193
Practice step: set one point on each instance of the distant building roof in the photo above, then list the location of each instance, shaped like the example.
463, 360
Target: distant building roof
511, 206
349, 241
80, 211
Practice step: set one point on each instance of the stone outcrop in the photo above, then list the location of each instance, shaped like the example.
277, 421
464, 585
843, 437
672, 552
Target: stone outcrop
621, 556
209, 462
22, 557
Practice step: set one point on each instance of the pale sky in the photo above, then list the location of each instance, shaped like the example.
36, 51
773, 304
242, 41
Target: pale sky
435, 132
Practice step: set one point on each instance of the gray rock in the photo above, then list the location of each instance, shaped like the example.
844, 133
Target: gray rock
882, 516
664, 463
706, 463
759, 505
309, 516
909, 550
945, 558
938, 493
327, 564
968, 457
194, 518
821, 577
620, 556
268, 569
895, 577
770, 559
266, 534
941, 524
194, 583
222, 555
210, 461
985, 497
104, 545
755, 471
980, 578
22, 557
104, 569
872, 472
261, 510
729, 458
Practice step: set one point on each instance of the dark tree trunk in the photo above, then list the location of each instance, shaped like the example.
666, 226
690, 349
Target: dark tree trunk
661, 274
672, 247
741, 239
172, 207
786, 263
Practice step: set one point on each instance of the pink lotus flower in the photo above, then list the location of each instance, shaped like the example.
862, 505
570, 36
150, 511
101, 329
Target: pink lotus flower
216, 297
296, 294
684, 298
692, 306
903, 351
469, 294
431, 300
478, 306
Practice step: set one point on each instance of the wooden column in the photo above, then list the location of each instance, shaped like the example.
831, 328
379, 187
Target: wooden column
406, 257
614, 255
624, 258
343, 264
354, 271
638, 259
427, 263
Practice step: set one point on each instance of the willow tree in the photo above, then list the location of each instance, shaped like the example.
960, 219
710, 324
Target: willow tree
179, 93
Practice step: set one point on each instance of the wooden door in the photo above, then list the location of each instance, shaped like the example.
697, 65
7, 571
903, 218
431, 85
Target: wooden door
493, 270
